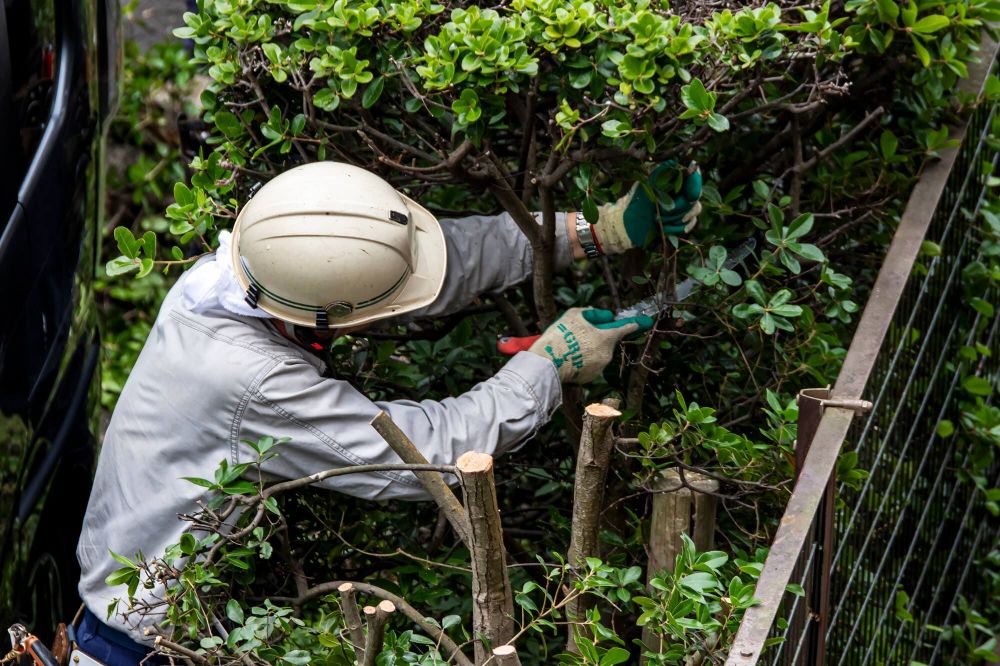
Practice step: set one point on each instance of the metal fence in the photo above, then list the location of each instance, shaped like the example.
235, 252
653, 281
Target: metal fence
880, 562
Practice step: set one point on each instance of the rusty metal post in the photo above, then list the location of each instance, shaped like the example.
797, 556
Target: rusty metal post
817, 587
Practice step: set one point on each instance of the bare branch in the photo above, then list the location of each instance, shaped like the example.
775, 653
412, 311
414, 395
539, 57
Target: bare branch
433, 483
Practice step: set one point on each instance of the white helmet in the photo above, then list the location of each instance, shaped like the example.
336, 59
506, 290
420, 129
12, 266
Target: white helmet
329, 245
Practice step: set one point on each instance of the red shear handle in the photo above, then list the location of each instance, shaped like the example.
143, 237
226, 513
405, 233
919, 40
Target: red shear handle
509, 345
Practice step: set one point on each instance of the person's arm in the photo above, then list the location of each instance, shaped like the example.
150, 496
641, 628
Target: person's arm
488, 253
328, 421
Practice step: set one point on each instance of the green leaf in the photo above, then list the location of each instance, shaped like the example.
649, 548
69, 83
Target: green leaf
930, 249
372, 92
229, 124
756, 291
888, 10
204, 483
977, 386
695, 97
776, 216
922, 53
809, 252
121, 576
182, 194
945, 428
327, 99
123, 560
718, 122
930, 24
888, 144
127, 243
297, 657
273, 52
234, 611
615, 655
120, 266
590, 212
981, 306
730, 277
188, 543
800, 226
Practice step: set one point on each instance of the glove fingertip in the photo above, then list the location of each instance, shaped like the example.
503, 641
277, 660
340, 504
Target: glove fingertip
693, 186
644, 322
598, 315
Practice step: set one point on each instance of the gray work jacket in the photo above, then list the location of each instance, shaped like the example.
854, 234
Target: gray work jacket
205, 381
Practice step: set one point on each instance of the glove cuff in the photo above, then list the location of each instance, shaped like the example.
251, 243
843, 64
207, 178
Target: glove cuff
610, 233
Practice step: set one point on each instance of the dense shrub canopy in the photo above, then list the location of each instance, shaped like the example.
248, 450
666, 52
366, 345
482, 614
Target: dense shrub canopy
809, 121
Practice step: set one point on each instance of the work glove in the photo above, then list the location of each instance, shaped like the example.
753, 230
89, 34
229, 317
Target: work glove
632, 220
581, 342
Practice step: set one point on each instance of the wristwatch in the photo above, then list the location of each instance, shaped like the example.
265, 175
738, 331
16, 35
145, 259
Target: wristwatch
585, 234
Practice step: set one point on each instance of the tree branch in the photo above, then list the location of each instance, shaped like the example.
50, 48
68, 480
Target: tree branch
433, 483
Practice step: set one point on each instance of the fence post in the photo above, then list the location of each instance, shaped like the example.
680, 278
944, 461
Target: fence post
817, 586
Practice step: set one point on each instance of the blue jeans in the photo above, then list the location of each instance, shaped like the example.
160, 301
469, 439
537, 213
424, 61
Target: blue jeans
110, 646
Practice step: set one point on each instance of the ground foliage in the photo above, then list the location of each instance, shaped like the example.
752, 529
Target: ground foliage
809, 122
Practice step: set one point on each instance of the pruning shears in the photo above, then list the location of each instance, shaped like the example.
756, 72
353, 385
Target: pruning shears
652, 306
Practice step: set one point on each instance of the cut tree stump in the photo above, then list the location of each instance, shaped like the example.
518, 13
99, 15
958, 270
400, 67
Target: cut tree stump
492, 602
679, 509
592, 460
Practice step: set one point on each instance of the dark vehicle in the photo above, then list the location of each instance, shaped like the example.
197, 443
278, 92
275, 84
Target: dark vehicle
59, 73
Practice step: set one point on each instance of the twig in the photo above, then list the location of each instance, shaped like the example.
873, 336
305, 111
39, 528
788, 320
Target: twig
452, 651
162, 643
847, 138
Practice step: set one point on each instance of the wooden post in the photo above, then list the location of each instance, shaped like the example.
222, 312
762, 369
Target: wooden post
492, 602
592, 463
679, 509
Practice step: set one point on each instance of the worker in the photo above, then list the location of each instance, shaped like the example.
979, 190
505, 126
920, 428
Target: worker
327, 249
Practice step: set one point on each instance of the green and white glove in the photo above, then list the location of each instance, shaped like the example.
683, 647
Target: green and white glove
632, 220
581, 342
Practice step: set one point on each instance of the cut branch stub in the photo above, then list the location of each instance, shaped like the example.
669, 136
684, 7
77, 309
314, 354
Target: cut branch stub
432, 481
376, 616
352, 618
505, 655
592, 463
492, 602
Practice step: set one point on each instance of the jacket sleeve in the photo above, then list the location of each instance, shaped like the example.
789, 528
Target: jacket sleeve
328, 423
486, 253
